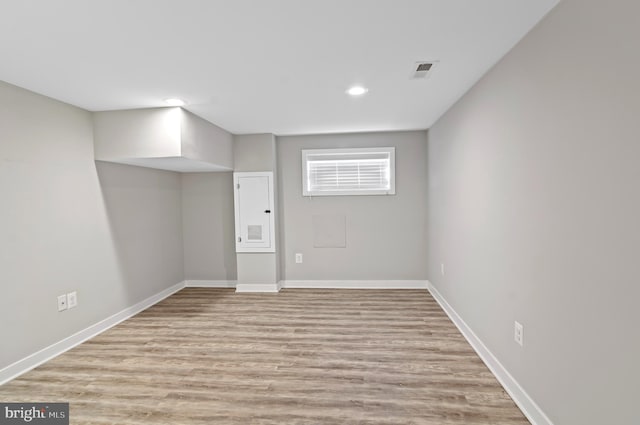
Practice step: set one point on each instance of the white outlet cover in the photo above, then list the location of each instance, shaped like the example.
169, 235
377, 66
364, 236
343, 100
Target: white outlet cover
442, 268
519, 333
72, 299
298, 258
62, 302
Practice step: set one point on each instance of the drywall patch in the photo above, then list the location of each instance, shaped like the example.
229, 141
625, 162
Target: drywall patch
329, 231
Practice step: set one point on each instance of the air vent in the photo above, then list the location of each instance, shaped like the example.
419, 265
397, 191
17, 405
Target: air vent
422, 69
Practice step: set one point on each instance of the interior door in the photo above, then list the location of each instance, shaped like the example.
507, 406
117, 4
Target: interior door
254, 211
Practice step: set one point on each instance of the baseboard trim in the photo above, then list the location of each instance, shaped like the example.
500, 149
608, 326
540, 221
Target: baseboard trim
36, 359
355, 284
527, 405
258, 287
210, 283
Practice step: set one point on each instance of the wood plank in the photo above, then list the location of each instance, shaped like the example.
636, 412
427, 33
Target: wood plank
303, 356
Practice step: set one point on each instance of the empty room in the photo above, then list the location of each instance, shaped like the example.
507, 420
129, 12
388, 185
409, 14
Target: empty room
319, 212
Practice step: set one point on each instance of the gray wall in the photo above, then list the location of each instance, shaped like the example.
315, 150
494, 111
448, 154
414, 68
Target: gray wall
137, 133
204, 141
385, 235
534, 202
110, 232
253, 152
208, 226
256, 152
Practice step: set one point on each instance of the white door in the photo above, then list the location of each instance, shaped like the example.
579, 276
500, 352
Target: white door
254, 212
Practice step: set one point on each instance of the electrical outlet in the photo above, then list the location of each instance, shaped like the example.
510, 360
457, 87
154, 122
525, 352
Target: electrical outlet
62, 302
298, 258
72, 299
442, 268
519, 333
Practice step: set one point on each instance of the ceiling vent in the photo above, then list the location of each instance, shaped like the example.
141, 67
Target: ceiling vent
422, 69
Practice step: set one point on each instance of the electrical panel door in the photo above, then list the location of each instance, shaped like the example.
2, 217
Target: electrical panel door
254, 213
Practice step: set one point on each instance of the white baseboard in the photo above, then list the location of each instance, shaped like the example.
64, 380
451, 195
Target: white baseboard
355, 284
531, 410
36, 359
210, 283
258, 287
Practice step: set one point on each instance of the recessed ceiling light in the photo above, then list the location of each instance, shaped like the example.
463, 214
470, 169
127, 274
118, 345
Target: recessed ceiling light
175, 102
357, 91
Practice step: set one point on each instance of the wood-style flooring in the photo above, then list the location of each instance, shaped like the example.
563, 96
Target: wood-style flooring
303, 357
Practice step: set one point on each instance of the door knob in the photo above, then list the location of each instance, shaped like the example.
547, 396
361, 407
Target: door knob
267, 211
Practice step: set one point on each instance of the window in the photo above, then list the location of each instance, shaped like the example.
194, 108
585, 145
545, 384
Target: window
368, 171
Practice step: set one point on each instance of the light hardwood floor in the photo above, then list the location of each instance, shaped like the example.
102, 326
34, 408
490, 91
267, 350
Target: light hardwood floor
211, 356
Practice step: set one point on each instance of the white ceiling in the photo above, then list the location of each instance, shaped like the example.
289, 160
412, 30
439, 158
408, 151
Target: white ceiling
262, 66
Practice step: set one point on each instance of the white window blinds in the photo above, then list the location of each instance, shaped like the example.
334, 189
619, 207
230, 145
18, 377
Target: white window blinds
367, 171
